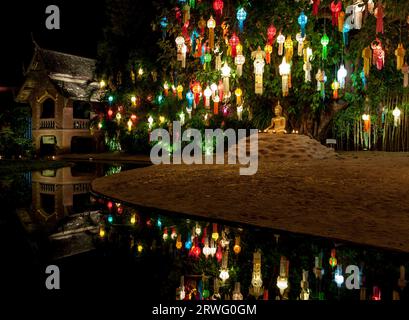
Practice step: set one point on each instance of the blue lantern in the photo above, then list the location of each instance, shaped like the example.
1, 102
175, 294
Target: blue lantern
363, 78
164, 25
202, 57
110, 219
193, 38
345, 31
188, 243
190, 97
302, 21
110, 99
241, 16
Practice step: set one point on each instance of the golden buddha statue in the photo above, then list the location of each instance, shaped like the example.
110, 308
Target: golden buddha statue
278, 123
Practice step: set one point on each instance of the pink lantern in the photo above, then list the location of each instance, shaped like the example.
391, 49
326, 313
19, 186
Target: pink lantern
379, 14
315, 7
271, 33
218, 8
234, 41
378, 57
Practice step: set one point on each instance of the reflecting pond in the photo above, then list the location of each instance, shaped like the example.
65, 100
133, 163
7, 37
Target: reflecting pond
100, 245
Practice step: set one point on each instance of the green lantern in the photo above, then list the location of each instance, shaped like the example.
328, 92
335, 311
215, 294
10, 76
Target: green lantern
324, 42
207, 59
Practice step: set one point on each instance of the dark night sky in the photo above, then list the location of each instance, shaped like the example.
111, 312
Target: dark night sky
81, 29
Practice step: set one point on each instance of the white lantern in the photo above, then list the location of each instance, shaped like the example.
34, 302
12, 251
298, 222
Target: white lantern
150, 121
371, 6
258, 71
300, 41
207, 94
341, 75
339, 278
180, 41
239, 61
396, 116
285, 70
280, 41
236, 293
213, 87
226, 72
282, 284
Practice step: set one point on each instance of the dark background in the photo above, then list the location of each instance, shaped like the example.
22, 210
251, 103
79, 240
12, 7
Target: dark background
81, 24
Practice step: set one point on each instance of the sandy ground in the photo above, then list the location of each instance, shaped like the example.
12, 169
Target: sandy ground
358, 197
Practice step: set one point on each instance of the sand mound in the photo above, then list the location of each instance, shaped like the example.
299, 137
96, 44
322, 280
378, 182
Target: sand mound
290, 146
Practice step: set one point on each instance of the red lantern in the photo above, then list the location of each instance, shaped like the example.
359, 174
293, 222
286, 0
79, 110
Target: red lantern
204, 236
333, 260
178, 13
379, 14
218, 8
376, 293
271, 33
110, 113
315, 7
197, 89
219, 254
378, 57
109, 205
234, 41
335, 9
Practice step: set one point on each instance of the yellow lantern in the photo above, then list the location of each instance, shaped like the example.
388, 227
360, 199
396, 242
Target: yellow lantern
211, 24
237, 247
133, 219
179, 242
400, 53
140, 248
129, 123
102, 84
215, 233
238, 94
289, 48
101, 232
367, 56
133, 100
179, 90
268, 49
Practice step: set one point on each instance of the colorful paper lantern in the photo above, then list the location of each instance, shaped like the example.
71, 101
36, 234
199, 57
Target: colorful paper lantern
379, 14
258, 56
367, 56
400, 53
315, 7
302, 21
226, 72
324, 43
234, 41
239, 61
300, 39
238, 92
241, 17
285, 70
280, 41
338, 277
289, 48
268, 49
333, 259
335, 87
216, 101
341, 75
207, 93
336, 8
396, 116
271, 33
218, 6
378, 54
211, 24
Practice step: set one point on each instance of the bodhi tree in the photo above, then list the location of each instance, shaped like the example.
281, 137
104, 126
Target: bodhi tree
309, 55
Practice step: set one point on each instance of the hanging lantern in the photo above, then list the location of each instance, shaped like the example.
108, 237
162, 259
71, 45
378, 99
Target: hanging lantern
207, 251
234, 41
216, 101
164, 25
226, 75
179, 242
202, 25
285, 70
379, 14
224, 272
300, 39
405, 71
282, 279
341, 75
241, 16
211, 24
207, 61
236, 293
179, 90
239, 61
197, 90
307, 67
219, 254
367, 122
271, 33
280, 41
180, 41
396, 116
218, 8
302, 21
341, 21
359, 8
335, 10
238, 92
305, 291
256, 281
207, 93
345, 30
173, 234
165, 234
150, 122
400, 53
335, 87
333, 259
315, 7
376, 293
324, 43
110, 113
259, 64
130, 124
289, 48
378, 57
338, 277
186, 13
101, 232
367, 56
237, 247
268, 50
215, 233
